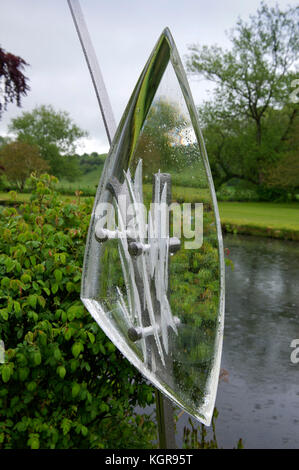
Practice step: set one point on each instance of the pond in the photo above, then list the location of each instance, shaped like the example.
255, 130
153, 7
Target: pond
260, 401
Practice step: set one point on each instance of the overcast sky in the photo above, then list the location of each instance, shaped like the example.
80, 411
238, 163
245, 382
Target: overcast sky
123, 33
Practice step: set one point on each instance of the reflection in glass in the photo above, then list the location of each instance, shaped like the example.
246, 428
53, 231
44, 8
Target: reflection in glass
153, 272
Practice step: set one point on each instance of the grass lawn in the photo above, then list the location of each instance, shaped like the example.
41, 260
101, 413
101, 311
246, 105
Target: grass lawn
263, 214
278, 220
182, 193
4, 197
89, 181
24, 197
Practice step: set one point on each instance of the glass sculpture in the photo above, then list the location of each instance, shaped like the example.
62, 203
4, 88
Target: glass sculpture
153, 275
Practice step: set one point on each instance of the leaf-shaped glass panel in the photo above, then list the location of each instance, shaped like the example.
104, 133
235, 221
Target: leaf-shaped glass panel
153, 271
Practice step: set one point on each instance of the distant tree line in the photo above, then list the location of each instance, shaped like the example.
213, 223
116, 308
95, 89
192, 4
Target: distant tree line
90, 162
250, 125
44, 139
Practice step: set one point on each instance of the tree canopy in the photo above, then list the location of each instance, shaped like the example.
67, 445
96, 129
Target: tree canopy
18, 160
14, 82
164, 121
54, 133
248, 123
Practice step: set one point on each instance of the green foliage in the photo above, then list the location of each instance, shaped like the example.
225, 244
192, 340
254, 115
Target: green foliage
194, 298
18, 160
234, 153
63, 383
90, 167
54, 133
194, 438
4, 140
92, 162
255, 74
249, 123
284, 176
83, 174
192, 177
160, 132
277, 194
238, 190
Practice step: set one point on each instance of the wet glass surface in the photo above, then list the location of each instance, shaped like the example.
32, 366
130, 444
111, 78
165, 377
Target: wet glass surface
154, 280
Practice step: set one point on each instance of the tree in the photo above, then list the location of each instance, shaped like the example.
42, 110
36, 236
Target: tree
164, 121
284, 175
91, 162
253, 83
13, 81
232, 148
18, 160
4, 140
54, 133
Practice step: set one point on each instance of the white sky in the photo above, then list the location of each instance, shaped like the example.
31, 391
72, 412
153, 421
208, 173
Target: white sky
123, 34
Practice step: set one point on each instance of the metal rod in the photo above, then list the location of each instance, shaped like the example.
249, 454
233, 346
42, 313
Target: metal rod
165, 420
94, 69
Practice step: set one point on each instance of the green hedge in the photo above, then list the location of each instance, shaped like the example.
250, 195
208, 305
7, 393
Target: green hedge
63, 383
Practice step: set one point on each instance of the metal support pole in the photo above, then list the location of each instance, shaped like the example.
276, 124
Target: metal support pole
94, 69
165, 420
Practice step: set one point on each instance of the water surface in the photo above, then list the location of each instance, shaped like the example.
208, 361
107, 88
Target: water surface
260, 401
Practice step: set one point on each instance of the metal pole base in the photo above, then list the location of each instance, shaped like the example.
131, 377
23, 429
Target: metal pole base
165, 420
